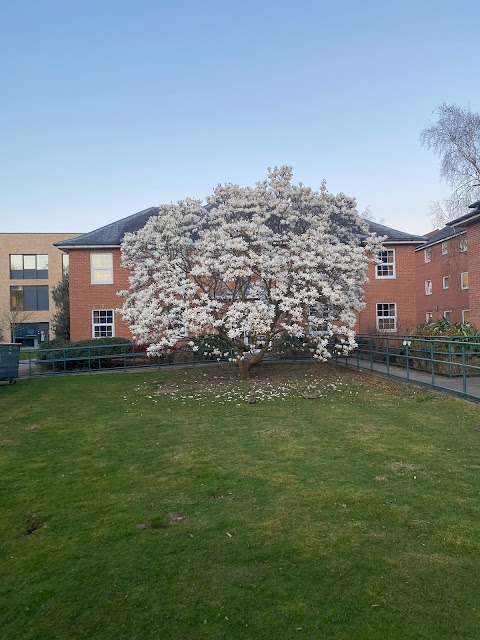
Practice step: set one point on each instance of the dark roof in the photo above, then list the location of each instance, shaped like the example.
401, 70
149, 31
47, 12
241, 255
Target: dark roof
111, 234
393, 234
443, 234
467, 216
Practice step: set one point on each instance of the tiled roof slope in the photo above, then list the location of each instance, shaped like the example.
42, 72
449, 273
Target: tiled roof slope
465, 218
393, 234
443, 234
112, 234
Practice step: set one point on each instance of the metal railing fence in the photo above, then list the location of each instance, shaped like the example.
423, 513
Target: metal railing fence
123, 357
450, 363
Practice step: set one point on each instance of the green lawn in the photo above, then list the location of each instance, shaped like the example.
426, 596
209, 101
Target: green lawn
131, 513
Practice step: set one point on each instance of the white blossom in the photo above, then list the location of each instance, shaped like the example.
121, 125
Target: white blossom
263, 262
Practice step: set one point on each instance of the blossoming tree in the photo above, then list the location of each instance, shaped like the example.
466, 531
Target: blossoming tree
253, 266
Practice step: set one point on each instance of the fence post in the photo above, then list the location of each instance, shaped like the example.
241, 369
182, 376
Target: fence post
450, 359
388, 355
432, 362
407, 364
371, 354
464, 372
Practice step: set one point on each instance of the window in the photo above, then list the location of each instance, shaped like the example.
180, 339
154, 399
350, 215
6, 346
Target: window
33, 298
318, 319
445, 282
428, 287
429, 317
465, 316
65, 263
463, 244
446, 315
428, 254
101, 265
28, 267
102, 323
464, 280
386, 316
31, 334
444, 248
387, 267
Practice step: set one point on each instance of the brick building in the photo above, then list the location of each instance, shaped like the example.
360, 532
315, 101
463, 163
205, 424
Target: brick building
442, 282
468, 225
30, 266
390, 304
96, 276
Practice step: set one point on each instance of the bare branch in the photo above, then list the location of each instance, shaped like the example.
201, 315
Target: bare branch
455, 139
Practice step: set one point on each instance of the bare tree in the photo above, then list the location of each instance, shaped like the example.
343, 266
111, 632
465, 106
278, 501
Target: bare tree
455, 138
368, 215
10, 319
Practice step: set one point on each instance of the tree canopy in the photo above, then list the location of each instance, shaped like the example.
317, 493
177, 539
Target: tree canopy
61, 298
455, 139
252, 266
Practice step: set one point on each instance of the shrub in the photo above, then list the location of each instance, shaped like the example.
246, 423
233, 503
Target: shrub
95, 353
446, 354
444, 329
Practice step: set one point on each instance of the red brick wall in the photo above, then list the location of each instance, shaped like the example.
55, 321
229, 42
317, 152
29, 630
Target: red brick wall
453, 299
473, 239
85, 296
400, 290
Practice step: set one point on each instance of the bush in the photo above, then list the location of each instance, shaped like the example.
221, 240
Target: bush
94, 354
444, 329
446, 354
207, 347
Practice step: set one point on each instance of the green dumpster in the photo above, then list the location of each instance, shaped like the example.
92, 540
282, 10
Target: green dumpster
9, 359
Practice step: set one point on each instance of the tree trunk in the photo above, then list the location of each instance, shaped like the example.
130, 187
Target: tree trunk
244, 366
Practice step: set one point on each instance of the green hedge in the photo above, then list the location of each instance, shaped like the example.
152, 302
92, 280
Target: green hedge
102, 352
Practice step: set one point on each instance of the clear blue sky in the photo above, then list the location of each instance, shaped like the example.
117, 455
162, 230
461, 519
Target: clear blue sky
108, 107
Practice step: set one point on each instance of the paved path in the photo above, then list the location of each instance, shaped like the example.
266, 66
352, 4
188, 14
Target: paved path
472, 384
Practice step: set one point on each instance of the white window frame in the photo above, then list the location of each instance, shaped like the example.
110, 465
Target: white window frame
319, 310
108, 271
449, 311
386, 317
103, 324
444, 248
463, 244
386, 264
428, 254
464, 273
446, 283
464, 311
428, 287
429, 317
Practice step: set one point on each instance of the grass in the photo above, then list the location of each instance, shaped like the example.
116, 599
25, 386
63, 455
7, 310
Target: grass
141, 506
28, 354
